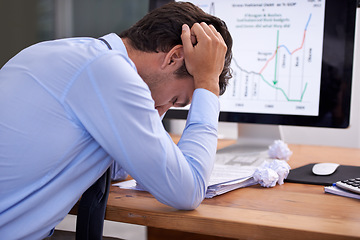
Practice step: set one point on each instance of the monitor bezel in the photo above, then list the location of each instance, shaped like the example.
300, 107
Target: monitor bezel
326, 117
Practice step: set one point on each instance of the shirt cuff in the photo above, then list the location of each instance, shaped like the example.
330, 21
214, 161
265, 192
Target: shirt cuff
205, 108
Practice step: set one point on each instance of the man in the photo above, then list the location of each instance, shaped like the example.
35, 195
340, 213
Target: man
70, 108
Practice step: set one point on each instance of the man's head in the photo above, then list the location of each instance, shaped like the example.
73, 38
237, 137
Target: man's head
160, 31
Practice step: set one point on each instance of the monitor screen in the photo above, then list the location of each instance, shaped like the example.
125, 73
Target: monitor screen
292, 61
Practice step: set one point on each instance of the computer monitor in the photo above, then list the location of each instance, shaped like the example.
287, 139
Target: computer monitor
292, 61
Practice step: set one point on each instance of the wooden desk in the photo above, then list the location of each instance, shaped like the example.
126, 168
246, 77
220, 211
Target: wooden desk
289, 211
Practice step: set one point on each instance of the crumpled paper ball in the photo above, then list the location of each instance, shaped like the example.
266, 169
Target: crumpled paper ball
279, 150
282, 169
270, 172
266, 177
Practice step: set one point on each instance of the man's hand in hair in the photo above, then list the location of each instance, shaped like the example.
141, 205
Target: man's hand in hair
204, 51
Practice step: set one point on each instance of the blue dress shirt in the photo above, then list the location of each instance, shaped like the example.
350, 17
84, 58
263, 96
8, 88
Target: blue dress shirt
68, 109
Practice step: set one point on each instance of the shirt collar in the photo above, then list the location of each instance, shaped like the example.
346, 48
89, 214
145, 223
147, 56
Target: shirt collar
116, 43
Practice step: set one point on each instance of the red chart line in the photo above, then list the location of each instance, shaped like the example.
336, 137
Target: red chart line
272, 57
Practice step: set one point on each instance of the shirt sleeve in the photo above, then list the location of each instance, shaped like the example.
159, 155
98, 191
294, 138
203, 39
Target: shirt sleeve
113, 104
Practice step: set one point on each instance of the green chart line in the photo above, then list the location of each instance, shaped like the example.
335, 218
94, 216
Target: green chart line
283, 92
276, 56
275, 81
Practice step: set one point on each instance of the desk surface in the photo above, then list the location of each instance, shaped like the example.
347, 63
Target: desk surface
289, 211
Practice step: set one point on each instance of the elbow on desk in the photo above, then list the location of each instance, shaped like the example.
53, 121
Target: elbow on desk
184, 204
186, 199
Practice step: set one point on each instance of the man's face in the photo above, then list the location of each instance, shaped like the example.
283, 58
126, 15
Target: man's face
164, 74
170, 90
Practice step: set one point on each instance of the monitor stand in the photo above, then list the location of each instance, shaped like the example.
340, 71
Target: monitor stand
251, 146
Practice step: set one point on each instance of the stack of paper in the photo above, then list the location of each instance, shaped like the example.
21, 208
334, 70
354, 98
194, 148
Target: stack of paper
224, 178
338, 191
222, 188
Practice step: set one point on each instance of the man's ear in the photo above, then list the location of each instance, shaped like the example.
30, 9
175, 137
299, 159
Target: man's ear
174, 58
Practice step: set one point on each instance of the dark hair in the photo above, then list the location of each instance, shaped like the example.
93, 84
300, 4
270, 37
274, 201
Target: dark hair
160, 30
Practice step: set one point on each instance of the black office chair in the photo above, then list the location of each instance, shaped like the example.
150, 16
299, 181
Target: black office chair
91, 211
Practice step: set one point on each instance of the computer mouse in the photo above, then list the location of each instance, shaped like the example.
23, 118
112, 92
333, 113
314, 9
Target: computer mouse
324, 168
